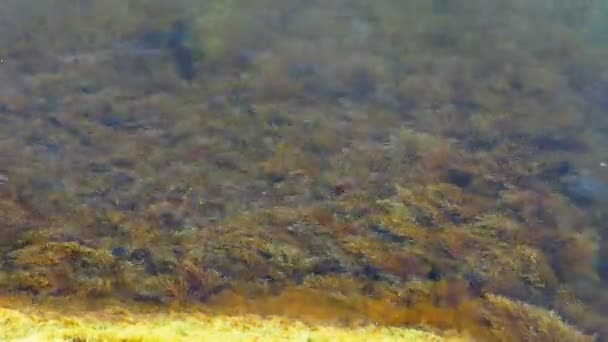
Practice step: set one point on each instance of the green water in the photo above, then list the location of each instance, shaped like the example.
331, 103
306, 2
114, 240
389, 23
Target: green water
271, 144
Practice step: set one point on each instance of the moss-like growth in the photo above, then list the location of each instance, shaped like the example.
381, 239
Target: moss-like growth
507, 319
404, 163
124, 326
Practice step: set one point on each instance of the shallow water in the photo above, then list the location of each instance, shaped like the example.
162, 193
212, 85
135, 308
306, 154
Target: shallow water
422, 153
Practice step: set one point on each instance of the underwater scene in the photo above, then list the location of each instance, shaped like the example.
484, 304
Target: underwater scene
303, 170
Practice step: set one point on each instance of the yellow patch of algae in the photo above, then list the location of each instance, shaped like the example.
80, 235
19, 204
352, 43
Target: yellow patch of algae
37, 324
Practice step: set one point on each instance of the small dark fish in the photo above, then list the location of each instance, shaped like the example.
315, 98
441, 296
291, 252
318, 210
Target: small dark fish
150, 43
183, 58
183, 55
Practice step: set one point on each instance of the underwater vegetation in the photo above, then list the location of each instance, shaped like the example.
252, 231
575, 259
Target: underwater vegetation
119, 324
345, 164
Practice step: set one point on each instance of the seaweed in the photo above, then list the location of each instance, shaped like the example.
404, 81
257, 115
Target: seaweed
398, 163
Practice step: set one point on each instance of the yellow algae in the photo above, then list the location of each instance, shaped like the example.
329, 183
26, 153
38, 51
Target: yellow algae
507, 320
517, 321
30, 325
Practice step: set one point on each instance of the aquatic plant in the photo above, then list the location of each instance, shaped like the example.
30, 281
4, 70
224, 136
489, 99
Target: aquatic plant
403, 163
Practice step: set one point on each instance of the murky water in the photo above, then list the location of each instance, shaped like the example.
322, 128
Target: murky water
427, 154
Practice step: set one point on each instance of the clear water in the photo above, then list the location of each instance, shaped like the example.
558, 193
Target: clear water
162, 151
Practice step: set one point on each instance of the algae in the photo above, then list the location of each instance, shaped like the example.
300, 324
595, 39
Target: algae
408, 164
